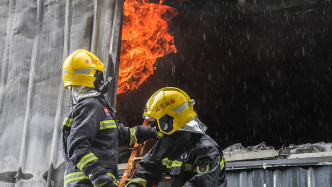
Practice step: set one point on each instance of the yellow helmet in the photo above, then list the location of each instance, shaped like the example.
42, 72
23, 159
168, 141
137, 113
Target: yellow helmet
79, 69
172, 109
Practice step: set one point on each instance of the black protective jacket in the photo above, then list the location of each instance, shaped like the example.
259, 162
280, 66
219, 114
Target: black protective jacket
91, 138
190, 159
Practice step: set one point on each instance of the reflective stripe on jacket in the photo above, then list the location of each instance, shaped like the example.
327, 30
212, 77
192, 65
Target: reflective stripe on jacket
190, 159
90, 142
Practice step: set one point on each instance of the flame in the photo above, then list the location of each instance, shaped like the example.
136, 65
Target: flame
145, 38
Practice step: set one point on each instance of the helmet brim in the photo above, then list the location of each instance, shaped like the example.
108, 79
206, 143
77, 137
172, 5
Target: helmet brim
147, 117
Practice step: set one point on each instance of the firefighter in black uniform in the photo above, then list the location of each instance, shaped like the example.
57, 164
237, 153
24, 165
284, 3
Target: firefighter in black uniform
185, 152
91, 135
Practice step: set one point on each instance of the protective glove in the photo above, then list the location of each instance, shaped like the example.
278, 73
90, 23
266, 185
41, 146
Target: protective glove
103, 181
144, 133
155, 134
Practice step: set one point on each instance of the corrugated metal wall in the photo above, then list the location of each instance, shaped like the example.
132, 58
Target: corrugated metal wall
318, 176
308, 172
35, 38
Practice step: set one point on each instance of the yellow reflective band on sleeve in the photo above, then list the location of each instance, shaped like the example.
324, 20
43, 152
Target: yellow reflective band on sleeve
140, 181
171, 163
176, 163
100, 185
133, 138
116, 182
80, 175
222, 163
85, 160
167, 163
108, 124
68, 122
188, 167
75, 176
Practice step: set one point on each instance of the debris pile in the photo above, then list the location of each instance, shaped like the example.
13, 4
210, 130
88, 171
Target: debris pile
261, 146
262, 151
238, 148
235, 148
310, 148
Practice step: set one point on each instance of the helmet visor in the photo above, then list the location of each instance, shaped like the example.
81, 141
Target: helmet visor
166, 123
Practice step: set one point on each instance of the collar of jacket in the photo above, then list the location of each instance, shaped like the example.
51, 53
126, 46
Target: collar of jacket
82, 92
176, 143
185, 141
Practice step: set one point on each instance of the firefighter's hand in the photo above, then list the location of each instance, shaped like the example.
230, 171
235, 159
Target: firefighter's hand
145, 133
104, 181
155, 134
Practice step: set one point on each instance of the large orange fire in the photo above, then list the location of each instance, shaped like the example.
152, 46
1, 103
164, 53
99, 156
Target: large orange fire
145, 38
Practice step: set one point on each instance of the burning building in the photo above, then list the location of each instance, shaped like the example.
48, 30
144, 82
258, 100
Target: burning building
259, 72
255, 77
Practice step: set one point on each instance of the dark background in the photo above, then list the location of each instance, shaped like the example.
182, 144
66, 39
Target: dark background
254, 78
